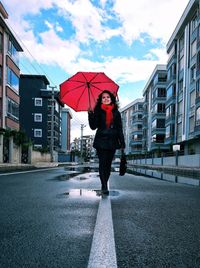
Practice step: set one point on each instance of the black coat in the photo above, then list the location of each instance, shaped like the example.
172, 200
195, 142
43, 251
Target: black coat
106, 138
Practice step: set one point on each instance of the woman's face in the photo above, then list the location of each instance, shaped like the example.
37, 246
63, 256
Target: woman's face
106, 99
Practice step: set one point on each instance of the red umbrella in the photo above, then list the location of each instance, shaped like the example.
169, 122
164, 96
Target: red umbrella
80, 92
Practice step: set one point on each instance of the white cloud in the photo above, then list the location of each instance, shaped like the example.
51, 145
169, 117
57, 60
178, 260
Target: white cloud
67, 53
59, 28
78, 119
156, 18
48, 24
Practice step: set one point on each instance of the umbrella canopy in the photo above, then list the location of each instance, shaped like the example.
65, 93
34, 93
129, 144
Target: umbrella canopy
80, 92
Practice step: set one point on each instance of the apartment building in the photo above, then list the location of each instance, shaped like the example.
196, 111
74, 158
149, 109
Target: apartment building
66, 117
183, 90
9, 75
36, 111
132, 126
84, 146
154, 93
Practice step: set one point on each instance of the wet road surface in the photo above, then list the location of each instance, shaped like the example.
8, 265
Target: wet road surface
58, 218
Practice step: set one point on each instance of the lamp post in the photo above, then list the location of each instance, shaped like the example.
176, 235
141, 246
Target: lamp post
52, 122
82, 126
176, 149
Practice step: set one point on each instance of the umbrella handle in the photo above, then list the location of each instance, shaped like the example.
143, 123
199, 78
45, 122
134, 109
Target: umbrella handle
117, 97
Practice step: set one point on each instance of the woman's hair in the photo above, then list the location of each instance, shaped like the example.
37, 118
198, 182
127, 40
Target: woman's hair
113, 99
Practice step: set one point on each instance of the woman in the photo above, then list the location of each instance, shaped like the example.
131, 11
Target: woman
109, 135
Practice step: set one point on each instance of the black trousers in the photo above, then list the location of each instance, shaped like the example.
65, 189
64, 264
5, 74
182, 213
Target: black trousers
105, 162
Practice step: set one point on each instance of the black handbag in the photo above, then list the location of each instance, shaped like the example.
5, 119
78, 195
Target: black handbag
123, 165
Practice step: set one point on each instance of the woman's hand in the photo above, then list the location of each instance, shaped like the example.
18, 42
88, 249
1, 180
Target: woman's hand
90, 111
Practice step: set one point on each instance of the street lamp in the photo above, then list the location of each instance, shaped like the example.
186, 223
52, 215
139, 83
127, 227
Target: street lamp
52, 122
82, 126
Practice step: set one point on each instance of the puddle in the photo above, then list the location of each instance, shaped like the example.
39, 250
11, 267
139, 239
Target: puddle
67, 176
88, 193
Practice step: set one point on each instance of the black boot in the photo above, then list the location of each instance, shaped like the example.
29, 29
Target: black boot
104, 188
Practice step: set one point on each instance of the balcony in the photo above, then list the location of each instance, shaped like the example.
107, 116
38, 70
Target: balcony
159, 146
136, 142
157, 130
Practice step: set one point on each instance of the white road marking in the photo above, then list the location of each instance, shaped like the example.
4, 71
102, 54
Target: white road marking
103, 254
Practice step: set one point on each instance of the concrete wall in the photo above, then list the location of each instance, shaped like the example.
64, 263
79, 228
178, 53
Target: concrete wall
169, 161
39, 157
189, 161
181, 160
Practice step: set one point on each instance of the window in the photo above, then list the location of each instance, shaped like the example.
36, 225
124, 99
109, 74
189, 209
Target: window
194, 23
38, 101
191, 120
12, 109
181, 43
170, 111
161, 92
161, 108
37, 133
169, 92
37, 117
12, 51
12, 79
140, 106
193, 48
180, 104
167, 133
171, 52
161, 123
1, 42
192, 98
167, 112
198, 116
158, 138
162, 77
158, 123
193, 73
180, 85
181, 64
179, 130
137, 137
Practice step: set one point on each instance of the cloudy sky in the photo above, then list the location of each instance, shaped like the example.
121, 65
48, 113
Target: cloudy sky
123, 38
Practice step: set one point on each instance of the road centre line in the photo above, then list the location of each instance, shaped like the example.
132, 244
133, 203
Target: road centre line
102, 253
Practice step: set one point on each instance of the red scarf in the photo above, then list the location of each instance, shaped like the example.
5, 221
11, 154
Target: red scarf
109, 115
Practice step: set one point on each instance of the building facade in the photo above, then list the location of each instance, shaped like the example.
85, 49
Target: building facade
132, 126
154, 95
183, 90
171, 109
9, 75
84, 146
36, 112
66, 116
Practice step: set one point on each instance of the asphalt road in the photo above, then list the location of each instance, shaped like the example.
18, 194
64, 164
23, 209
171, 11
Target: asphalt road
57, 218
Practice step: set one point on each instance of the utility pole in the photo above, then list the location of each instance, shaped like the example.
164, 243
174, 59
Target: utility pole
52, 121
82, 126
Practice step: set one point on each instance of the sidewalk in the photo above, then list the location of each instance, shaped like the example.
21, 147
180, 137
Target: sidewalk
20, 166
